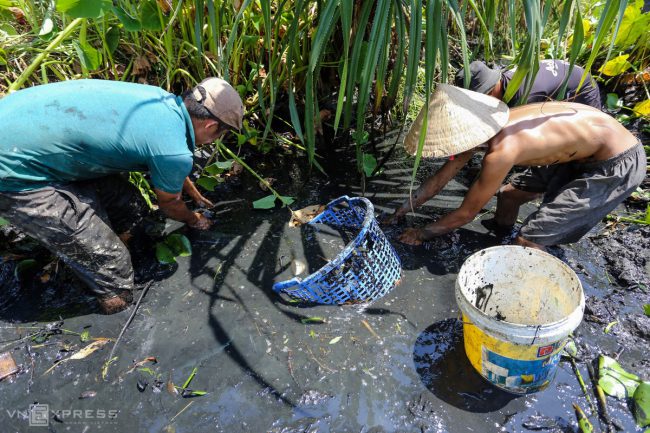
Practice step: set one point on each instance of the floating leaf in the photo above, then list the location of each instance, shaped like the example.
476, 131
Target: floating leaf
83, 352
614, 380
642, 108
369, 164
335, 340
164, 254
609, 326
179, 245
312, 320
189, 379
616, 66
267, 202
642, 404
570, 349
613, 101
83, 8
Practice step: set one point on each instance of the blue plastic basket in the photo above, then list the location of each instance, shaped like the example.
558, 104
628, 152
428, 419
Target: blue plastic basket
366, 269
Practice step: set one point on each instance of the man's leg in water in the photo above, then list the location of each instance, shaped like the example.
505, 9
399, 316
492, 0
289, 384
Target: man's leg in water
70, 221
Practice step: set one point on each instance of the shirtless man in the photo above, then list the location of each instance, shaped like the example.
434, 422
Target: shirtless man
581, 160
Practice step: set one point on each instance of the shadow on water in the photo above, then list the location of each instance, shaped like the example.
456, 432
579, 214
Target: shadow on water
443, 367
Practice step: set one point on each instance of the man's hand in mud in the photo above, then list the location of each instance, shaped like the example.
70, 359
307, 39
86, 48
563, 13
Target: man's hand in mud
412, 236
394, 219
202, 201
202, 222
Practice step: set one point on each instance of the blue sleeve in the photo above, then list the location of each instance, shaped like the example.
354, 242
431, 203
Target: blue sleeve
168, 172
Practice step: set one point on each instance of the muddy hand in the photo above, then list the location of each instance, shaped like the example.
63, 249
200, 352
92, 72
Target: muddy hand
389, 220
202, 201
201, 223
411, 236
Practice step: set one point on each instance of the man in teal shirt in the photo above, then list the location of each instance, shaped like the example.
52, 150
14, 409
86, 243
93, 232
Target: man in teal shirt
64, 150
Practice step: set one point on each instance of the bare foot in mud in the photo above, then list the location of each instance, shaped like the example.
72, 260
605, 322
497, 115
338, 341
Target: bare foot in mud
115, 304
497, 229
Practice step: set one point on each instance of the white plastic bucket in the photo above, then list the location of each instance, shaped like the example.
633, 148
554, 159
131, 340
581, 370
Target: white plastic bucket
519, 305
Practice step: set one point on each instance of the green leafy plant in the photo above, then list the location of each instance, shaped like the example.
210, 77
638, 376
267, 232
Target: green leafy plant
211, 175
174, 245
614, 380
642, 404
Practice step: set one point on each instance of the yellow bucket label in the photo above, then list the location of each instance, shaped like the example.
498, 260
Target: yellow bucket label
515, 367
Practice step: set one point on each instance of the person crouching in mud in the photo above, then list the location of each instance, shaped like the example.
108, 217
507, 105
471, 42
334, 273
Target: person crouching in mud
580, 160
65, 153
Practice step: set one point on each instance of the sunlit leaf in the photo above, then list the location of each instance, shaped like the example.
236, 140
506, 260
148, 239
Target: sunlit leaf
369, 164
624, 118
85, 336
616, 66
609, 326
88, 56
8, 29
642, 404
312, 320
646, 309
179, 245
614, 380
267, 202
46, 27
207, 182
164, 254
642, 108
634, 25
83, 8
335, 340
613, 101
570, 349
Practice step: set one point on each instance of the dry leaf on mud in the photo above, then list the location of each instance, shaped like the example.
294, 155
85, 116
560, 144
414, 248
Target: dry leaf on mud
141, 66
83, 352
306, 214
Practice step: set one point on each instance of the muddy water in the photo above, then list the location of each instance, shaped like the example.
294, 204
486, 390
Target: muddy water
399, 365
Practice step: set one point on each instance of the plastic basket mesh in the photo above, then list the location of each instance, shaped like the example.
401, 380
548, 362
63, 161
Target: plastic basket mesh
366, 269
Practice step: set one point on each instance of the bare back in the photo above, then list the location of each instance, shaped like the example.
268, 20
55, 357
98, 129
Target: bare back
559, 132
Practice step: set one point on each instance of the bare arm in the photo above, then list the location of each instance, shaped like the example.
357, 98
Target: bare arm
190, 189
432, 186
495, 168
174, 207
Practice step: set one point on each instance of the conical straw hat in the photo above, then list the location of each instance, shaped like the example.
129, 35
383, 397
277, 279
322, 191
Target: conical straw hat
459, 120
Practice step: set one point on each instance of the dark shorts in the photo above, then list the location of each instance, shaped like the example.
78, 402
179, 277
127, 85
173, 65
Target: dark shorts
79, 222
578, 195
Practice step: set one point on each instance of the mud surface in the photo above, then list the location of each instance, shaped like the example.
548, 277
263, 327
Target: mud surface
268, 365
